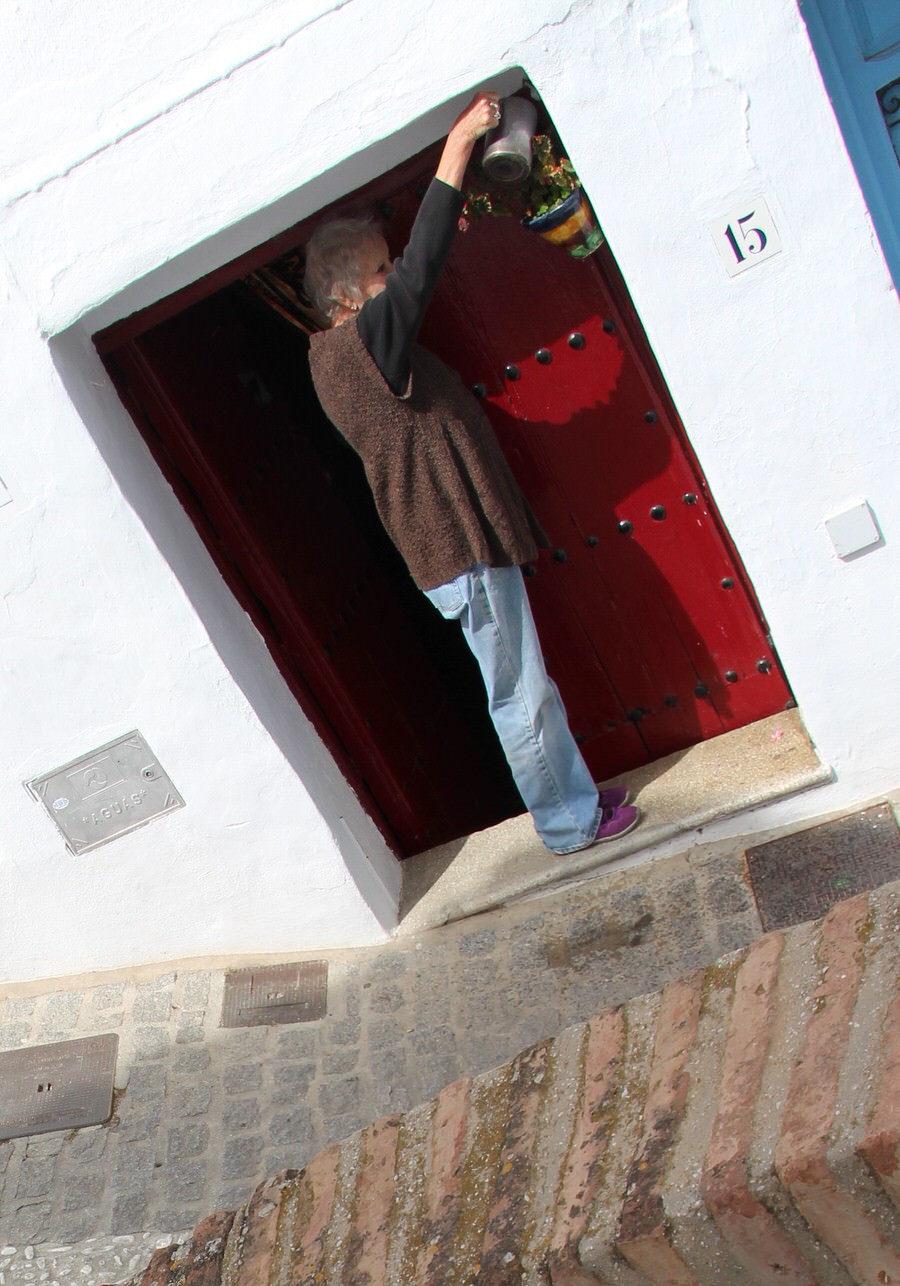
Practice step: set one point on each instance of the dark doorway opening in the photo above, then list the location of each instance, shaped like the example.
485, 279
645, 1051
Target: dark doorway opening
649, 624
222, 391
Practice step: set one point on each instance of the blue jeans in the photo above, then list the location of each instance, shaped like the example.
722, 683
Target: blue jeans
492, 607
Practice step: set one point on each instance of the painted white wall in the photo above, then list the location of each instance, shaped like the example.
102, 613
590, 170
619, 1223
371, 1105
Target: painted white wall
147, 144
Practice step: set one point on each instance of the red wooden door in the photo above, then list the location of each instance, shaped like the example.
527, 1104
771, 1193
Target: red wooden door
648, 622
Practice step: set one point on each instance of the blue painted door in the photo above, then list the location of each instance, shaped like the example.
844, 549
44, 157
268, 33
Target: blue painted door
857, 44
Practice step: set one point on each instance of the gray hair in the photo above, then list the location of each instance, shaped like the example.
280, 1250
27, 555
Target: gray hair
332, 262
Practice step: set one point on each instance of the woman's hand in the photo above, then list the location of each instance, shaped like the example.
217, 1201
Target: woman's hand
482, 114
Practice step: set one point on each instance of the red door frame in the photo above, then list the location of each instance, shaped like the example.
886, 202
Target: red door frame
116, 346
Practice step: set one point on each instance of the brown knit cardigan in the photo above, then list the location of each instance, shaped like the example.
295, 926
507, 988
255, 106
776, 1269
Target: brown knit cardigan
441, 483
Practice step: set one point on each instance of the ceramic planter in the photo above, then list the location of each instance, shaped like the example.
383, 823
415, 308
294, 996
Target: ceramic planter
572, 225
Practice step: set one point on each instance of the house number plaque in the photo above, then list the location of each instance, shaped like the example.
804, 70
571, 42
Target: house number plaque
746, 236
107, 793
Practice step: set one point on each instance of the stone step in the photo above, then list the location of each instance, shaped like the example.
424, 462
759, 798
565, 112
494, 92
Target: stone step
741, 1126
755, 1238
819, 1176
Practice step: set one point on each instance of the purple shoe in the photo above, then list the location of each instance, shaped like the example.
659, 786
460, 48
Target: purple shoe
615, 822
613, 797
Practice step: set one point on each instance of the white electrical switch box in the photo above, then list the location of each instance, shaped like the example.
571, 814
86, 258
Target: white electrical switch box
853, 531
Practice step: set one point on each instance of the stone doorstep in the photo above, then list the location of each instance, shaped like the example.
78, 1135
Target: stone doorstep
548, 1168
720, 778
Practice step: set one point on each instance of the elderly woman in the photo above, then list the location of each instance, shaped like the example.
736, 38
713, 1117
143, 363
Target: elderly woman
442, 485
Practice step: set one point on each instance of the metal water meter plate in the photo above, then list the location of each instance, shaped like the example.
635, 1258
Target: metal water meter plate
802, 876
107, 793
57, 1087
293, 993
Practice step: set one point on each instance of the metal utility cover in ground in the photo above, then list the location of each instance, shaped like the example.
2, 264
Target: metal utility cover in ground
801, 877
57, 1087
107, 793
293, 993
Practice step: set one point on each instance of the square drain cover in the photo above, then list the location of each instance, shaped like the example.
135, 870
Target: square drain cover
113, 790
801, 877
293, 993
57, 1087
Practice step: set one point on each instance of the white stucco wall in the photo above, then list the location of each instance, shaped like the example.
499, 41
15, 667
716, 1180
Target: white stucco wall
146, 144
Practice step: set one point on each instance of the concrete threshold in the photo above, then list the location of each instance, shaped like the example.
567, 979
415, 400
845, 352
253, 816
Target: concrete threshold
719, 778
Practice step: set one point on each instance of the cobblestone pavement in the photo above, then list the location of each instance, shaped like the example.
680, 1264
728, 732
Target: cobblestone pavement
202, 1113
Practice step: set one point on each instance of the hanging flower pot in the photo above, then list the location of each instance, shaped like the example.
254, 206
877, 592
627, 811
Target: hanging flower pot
549, 200
571, 225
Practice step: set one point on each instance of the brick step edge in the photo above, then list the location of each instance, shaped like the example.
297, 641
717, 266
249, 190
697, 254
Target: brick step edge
741, 1126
